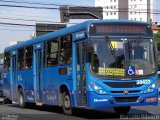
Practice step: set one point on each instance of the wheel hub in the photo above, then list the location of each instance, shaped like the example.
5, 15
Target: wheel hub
21, 99
67, 102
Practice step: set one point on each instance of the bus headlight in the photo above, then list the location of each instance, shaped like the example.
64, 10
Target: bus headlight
151, 88
98, 89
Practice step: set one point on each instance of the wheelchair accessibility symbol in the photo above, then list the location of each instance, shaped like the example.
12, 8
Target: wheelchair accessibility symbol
131, 70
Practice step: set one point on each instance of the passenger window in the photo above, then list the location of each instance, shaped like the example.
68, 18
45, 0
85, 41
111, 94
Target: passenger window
21, 58
29, 55
51, 53
66, 50
7, 62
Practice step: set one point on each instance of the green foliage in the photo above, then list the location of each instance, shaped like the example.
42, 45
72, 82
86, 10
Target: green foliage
158, 60
157, 36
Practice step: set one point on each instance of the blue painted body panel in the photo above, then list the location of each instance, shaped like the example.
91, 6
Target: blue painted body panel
94, 97
25, 79
7, 85
94, 103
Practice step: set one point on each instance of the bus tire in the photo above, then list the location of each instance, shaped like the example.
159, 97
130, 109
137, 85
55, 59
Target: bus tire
66, 104
7, 101
122, 110
21, 99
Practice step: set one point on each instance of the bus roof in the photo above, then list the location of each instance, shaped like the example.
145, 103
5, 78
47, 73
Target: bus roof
71, 29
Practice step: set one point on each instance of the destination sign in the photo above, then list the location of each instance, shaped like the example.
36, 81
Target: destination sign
120, 29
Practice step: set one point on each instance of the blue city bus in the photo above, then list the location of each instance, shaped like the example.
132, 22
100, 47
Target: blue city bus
94, 64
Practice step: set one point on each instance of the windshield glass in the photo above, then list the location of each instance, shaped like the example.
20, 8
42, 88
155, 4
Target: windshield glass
122, 57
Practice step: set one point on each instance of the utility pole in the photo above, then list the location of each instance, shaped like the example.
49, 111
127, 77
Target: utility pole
149, 11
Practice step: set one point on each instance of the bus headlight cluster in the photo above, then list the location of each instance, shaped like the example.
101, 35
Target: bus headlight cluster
153, 85
151, 88
98, 89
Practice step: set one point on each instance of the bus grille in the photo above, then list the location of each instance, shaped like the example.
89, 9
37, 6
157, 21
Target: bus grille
126, 99
130, 91
122, 84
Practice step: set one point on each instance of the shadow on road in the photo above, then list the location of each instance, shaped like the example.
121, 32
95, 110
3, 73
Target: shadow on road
107, 113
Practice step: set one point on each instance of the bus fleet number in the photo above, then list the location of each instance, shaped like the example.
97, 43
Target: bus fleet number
140, 82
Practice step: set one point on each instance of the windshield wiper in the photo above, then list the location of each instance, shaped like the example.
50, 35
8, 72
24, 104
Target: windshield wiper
108, 41
137, 41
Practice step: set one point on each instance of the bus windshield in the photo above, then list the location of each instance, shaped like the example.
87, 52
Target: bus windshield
122, 57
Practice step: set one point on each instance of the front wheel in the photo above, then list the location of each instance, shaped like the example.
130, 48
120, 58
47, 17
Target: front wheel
122, 110
66, 104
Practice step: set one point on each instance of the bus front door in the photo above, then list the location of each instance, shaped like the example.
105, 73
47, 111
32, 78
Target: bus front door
14, 93
37, 84
80, 76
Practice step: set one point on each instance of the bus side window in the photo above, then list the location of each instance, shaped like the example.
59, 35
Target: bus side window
21, 58
7, 61
51, 53
66, 50
29, 56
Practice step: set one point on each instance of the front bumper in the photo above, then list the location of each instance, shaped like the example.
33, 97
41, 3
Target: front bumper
101, 101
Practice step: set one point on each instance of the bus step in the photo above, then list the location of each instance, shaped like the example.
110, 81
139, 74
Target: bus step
39, 103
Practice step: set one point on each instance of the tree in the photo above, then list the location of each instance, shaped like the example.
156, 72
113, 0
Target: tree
157, 36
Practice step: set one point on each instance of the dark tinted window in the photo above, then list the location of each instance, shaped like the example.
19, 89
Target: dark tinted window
51, 53
66, 50
7, 61
29, 56
21, 55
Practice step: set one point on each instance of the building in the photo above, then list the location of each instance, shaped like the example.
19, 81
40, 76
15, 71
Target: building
139, 10
155, 28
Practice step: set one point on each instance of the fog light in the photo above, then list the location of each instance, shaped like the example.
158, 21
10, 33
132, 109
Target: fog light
101, 91
150, 90
151, 99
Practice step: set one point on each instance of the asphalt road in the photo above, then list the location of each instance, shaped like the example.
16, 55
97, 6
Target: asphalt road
14, 112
